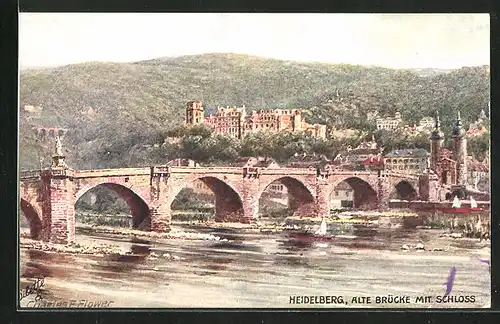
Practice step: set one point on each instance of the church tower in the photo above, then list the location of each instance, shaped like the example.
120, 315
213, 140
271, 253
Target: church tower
459, 144
436, 139
194, 113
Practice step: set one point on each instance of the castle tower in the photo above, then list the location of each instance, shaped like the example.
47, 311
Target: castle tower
297, 121
436, 139
194, 113
459, 145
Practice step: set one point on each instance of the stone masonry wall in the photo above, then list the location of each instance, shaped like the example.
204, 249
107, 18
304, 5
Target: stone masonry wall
150, 192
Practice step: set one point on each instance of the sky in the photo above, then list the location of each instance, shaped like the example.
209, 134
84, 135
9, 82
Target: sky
389, 40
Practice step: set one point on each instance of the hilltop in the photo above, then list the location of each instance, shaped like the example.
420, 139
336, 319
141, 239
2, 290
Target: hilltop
112, 108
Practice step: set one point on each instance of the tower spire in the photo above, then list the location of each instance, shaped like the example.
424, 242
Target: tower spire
438, 123
457, 129
437, 134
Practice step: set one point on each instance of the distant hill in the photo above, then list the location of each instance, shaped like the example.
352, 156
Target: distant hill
430, 71
107, 106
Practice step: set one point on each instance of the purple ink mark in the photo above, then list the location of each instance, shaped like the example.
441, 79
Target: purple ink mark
485, 261
449, 282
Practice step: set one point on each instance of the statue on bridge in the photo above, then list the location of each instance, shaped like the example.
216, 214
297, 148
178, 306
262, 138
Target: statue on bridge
58, 157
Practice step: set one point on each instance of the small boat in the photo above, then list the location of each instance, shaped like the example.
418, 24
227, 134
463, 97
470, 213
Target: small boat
319, 235
456, 207
322, 228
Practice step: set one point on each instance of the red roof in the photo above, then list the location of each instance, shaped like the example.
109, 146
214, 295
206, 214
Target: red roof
374, 160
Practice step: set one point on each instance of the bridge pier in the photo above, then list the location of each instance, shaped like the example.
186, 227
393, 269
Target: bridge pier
58, 209
322, 199
160, 217
160, 212
250, 199
383, 192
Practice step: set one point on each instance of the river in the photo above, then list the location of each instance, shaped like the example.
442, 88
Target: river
248, 269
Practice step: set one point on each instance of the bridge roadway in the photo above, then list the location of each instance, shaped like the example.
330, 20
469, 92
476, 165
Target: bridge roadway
48, 197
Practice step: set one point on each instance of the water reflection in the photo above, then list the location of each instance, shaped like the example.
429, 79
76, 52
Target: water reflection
249, 269
140, 246
35, 267
112, 265
366, 232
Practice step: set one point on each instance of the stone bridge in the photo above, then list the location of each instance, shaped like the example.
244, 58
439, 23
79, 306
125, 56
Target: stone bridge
48, 197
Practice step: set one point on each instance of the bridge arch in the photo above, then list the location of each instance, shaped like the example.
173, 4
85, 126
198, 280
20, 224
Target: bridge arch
33, 217
365, 193
301, 198
228, 201
404, 190
138, 205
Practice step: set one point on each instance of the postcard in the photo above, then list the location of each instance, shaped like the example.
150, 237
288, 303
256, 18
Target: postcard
251, 160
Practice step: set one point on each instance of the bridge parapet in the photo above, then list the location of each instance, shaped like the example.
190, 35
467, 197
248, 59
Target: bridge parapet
221, 170
27, 175
56, 173
413, 176
111, 172
352, 173
288, 171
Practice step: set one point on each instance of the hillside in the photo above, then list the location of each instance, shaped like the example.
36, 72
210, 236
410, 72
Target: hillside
113, 109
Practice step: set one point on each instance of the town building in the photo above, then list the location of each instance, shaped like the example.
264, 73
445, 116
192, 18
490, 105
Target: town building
277, 188
359, 155
313, 161
407, 160
200, 188
255, 162
181, 163
389, 123
53, 131
478, 128
235, 122
477, 172
426, 123
342, 196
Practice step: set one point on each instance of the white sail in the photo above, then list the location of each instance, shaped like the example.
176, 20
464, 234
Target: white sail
322, 228
473, 203
456, 202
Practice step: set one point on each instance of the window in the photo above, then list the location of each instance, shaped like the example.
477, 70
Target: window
336, 193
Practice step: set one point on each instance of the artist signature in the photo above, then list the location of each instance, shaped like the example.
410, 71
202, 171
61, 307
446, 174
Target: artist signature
34, 288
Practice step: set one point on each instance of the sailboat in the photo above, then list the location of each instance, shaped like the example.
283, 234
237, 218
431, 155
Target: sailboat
322, 228
319, 235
